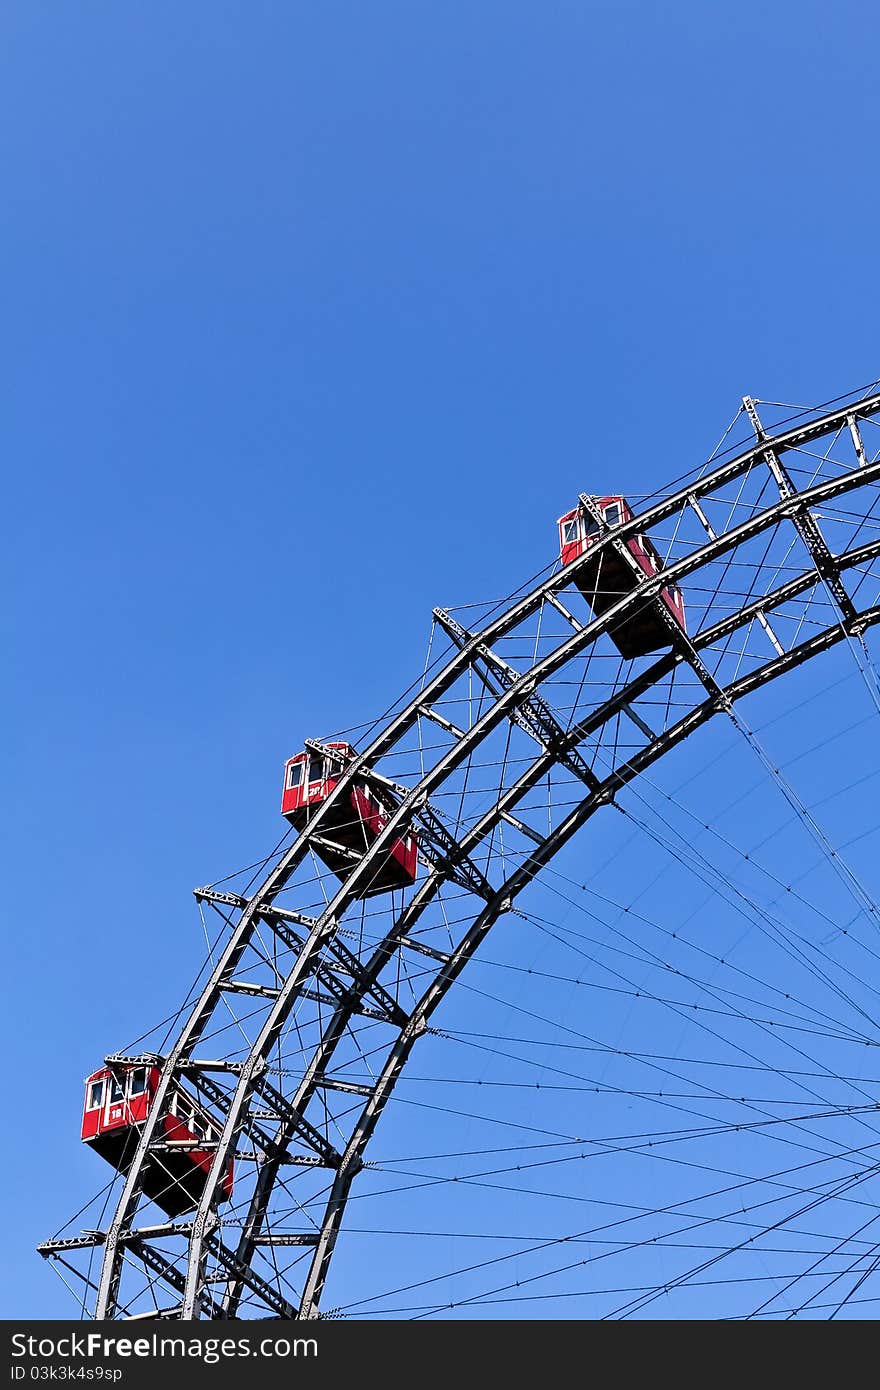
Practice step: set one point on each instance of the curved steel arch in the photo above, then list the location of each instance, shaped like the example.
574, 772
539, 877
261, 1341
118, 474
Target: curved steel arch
512, 697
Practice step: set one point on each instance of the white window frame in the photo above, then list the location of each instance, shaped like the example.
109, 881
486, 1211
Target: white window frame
99, 1104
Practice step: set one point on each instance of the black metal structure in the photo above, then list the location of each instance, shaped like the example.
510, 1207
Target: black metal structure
305, 981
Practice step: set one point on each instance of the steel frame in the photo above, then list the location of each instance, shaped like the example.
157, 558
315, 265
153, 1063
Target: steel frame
323, 967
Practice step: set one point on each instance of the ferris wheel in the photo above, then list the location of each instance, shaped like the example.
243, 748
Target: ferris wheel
238, 1136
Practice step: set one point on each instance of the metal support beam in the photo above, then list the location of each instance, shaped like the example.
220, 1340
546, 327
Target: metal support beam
805, 523
638, 721
220, 1100
335, 1083
856, 437
300, 1125
532, 714
266, 910
441, 721
293, 1238
333, 846
251, 988
555, 602
171, 1275
204, 1064
387, 1007
249, 1277
524, 829
424, 950
88, 1239
443, 851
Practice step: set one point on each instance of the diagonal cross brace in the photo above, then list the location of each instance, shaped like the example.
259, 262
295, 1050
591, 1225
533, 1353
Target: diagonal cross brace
444, 852
804, 522
249, 1276
534, 714
277, 919
220, 1099
285, 1111
171, 1275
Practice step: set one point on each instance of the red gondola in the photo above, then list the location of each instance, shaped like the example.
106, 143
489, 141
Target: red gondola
118, 1101
604, 582
354, 822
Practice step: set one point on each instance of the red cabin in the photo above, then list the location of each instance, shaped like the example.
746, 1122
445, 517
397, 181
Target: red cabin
355, 821
606, 581
118, 1100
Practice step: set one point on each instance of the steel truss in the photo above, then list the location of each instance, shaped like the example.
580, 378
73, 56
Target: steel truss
313, 969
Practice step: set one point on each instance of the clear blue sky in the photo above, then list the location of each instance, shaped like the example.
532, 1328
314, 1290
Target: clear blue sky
316, 316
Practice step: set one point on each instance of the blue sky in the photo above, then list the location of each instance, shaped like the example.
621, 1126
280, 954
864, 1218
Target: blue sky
315, 317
